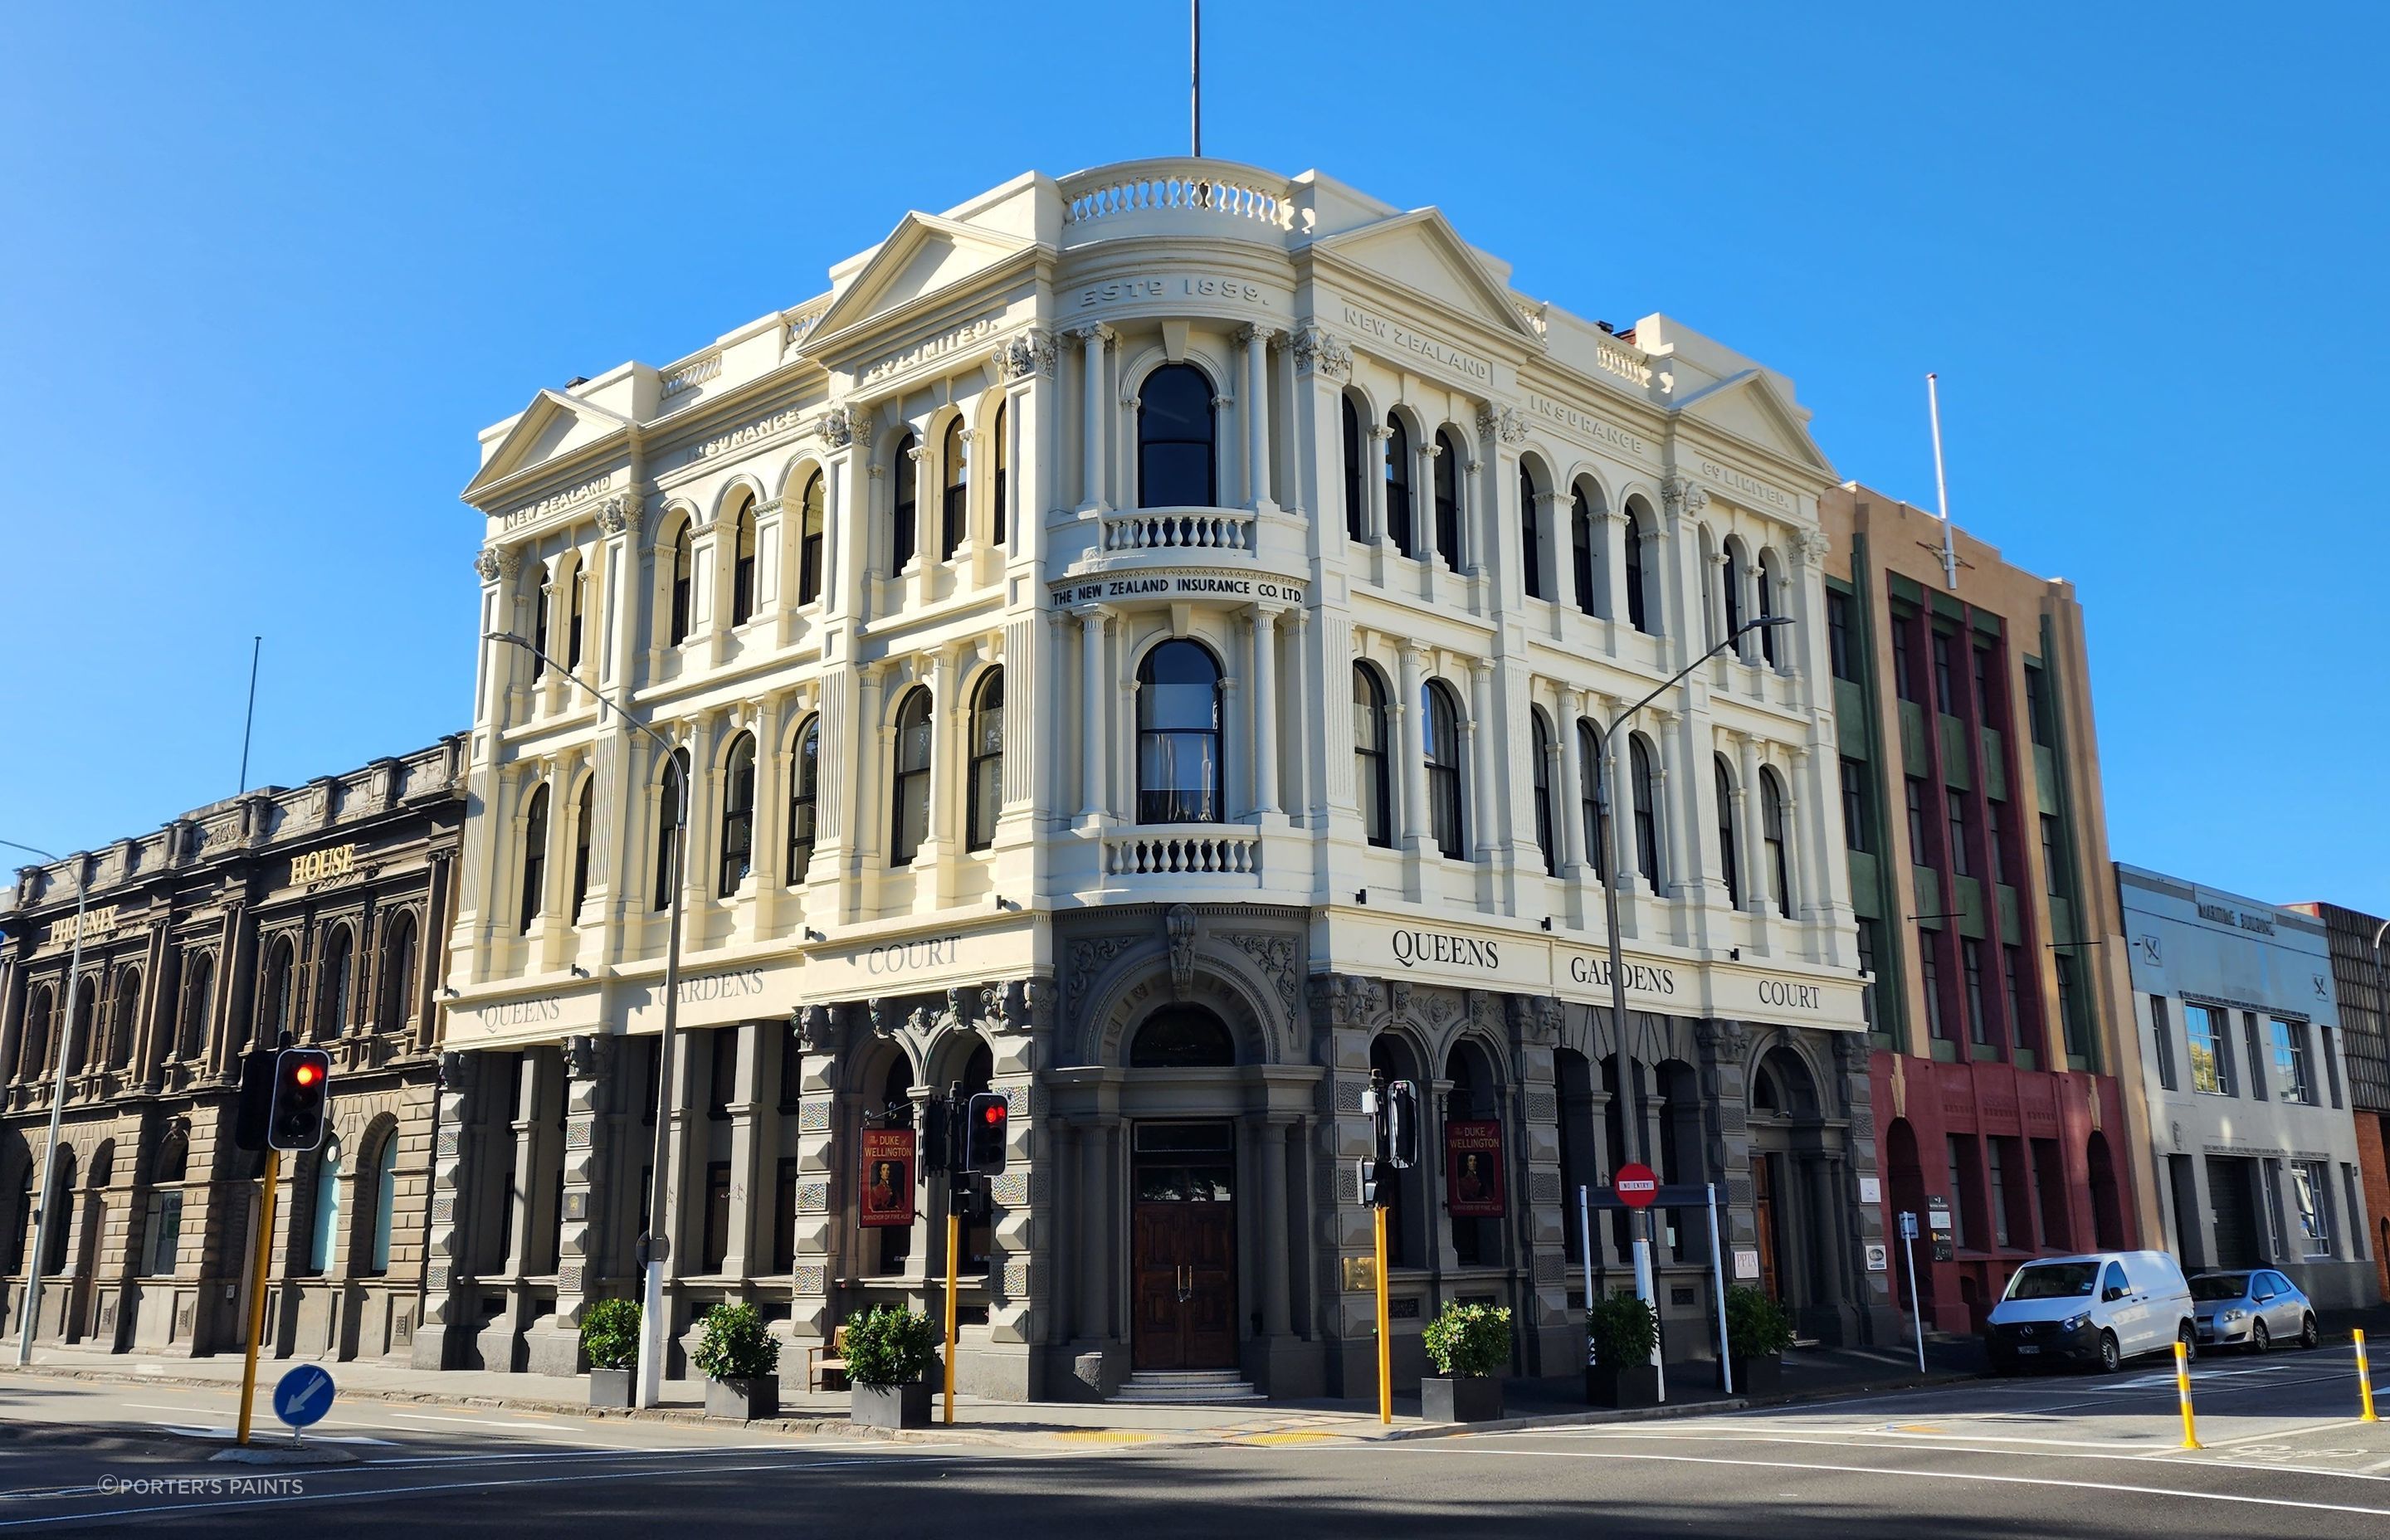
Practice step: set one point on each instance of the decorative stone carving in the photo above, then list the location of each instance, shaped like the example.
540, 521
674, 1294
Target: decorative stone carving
1502, 422
586, 1055
1812, 546
816, 1029
1179, 925
455, 1073
614, 514
1537, 1017
1274, 955
487, 565
1088, 958
1682, 496
841, 427
1017, 358
885, 1021
1319, 351
1722, 1041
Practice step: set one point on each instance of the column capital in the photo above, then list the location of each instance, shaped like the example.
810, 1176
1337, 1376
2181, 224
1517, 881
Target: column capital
1319, 351
1094, 334
1257, 335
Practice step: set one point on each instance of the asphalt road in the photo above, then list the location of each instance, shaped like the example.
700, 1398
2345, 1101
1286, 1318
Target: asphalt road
2065, 1456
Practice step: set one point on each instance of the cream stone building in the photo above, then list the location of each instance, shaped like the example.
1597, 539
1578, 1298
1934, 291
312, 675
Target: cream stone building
1129, 644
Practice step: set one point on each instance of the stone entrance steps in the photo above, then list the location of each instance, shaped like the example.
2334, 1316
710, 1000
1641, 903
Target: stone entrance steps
1184, 1388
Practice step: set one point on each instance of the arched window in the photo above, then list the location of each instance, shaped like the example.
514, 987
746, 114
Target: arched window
1637, 607
1531, 533
1726, 831
34, 1057
1771, 826
585, 823
682, 562
809, 541
385, 1203
1542, 749
1369, 755
904, 529
128, 1019
80, 1043
543, 594
672, 808
534, 858
805, 787
398, 949
986, 798
1767, 606
742, 563
1440, 724
1647, 809
161, 1231
576, 616
1183, 1037
1733, 583
1398, 485
60, 1180
1355, 488
1447, 500
909, 823
198, 990
1178, 736
1594, 770
954, 503
737, 815
1581, 551
327, 1208
1003, 487
333, 977
1177, 465
274, 1003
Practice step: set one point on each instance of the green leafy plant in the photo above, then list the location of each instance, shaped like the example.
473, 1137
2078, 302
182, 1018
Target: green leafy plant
1623, 1330
1755, 1324
736, 1345
1470, 1341
610, 1334
890, 1346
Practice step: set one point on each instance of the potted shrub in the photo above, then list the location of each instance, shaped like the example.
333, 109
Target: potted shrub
1757, 1332
740, 1361
609, 1339
890, 1353
1621, 1332
1469, 1345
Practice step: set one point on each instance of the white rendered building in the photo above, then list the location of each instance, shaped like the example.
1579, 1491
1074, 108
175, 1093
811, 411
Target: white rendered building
1128, 640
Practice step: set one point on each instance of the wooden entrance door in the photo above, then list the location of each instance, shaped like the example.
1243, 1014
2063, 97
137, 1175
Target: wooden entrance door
1184, 1264
1762, 1206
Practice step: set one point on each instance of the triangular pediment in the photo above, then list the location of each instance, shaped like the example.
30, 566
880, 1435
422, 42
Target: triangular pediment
552, 426
1420, 251
1753, 407
921, 256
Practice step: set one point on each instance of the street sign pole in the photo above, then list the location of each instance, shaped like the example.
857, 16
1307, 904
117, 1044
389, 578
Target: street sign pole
1916, 1305
1638, 1187
1585, 1239
263, 1252
954, 1249
1385, 1317
1717, 1281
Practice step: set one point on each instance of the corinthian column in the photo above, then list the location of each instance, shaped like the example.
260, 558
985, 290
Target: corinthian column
1257, 456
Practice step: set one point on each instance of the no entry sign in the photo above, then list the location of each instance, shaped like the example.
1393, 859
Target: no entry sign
1635, 1185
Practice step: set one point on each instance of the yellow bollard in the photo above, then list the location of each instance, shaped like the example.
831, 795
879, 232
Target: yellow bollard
2364, 1381
2182, 1385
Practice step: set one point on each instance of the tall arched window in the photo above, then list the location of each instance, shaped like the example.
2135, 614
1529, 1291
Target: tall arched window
1593, 769
199, 993
1447, 500
805, 787
954, 502
1531, 533
1178, 735
1440, 745
909, 822
1370, 756
41, 1009
327, 1208
737, 815
682, 562
672, 809
543, 594
584, 825
1727, 865
1647, 808
385, 1202
1732, 578
87, 1023
128, 1019
1398, 485
274, 1004
1767, 605
1771, 826
809, 541
1355, 488
1581, 551
1542, 749
534, 858
577, 615
986, 763
904, 526
333, 977
742, 563
1003, 479
1177, 465
1182, 1038
1637, 607
398, 951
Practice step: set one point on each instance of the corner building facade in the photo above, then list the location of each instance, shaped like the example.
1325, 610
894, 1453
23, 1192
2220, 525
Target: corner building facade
1134, 644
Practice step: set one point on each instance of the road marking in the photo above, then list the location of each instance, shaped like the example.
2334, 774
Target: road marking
473, 1421
2155, 1456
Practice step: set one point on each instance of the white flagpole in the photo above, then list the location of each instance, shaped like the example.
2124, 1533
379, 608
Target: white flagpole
1195, 73
1941, 487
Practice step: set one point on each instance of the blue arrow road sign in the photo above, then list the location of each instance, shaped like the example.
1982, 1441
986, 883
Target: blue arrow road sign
304, 1396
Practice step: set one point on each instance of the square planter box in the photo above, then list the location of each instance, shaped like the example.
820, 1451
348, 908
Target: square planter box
1468, 1398
1629, 1385
891, 1406
743, 1400
610, 1387
1762, 1376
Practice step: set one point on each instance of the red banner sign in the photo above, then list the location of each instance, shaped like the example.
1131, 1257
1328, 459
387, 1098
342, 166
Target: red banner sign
1473, 1168
887, 1178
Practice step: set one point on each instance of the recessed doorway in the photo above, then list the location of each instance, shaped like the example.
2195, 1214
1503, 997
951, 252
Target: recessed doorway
1183, 1246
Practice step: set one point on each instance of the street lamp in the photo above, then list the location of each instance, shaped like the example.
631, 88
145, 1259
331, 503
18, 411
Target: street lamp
1643, 1289
653, 1247
57, 1110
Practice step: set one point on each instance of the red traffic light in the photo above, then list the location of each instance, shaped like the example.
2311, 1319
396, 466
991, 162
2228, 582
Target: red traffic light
993, 1112
306, 1074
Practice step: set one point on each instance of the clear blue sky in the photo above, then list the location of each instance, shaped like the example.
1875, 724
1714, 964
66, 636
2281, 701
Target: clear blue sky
266, 269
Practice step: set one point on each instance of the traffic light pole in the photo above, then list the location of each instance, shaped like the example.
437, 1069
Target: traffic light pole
954, 1253
1385, 1321
262, 1256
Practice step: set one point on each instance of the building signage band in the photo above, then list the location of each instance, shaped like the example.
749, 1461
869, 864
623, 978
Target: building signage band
1173, 285
1585, 425
95, 922
1176, 586
1395, 335
1733, 481
328, 865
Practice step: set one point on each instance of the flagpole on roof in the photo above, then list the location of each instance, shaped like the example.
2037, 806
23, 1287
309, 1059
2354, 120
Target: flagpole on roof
1942, 487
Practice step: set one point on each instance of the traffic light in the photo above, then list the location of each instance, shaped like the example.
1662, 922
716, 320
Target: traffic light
984, 1126
256, 1100
301, 1078
1371, 1187
1393, 1106
938, 1133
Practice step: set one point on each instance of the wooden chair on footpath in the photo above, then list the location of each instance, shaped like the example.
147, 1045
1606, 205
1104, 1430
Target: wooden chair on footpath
823, 1364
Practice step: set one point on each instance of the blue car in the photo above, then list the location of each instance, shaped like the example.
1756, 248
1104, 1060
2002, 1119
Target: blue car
2253, 1309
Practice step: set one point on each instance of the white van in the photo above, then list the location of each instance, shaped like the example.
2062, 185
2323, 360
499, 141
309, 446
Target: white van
2101, 1307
